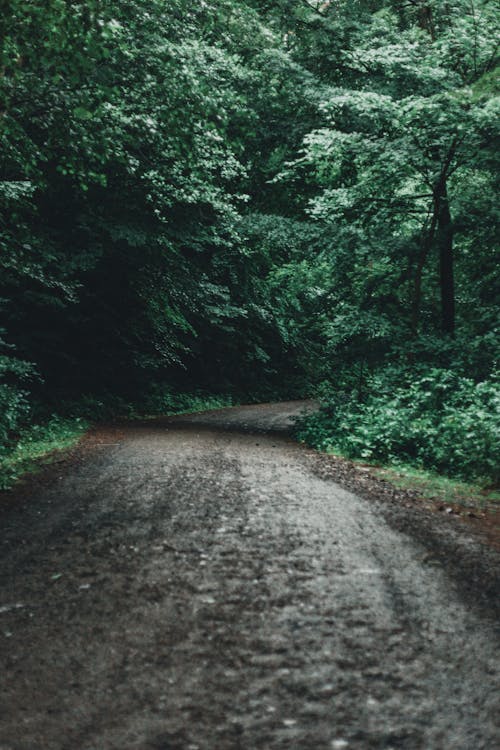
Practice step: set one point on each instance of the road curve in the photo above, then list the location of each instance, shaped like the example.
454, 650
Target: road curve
194, 584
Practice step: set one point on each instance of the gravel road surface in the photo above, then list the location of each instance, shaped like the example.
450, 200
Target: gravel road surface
198, 583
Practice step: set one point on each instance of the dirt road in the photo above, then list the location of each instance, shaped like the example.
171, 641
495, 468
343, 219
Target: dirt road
199, 584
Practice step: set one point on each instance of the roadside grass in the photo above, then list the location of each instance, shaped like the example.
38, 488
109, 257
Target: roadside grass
40, 444
199, 403
37, 446
186, 403
440, 488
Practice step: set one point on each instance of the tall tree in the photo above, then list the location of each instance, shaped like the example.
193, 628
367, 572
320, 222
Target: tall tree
397, 139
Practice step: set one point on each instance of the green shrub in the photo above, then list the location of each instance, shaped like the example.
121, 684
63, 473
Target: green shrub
164, 400
14, 398
439, 421
158, 399
14, 408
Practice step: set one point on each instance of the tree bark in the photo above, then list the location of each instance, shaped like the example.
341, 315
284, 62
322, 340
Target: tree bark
426, 20
444, 239
425, 248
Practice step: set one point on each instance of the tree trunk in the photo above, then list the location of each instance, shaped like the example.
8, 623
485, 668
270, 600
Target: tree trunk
426, 20
425, 247
444, 240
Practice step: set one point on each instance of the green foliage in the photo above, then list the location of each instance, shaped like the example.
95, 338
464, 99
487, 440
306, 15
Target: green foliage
14, 407
14, 402
37, 444
403, 168
163, 400
159, 399
121, 177
244, 196
437, 420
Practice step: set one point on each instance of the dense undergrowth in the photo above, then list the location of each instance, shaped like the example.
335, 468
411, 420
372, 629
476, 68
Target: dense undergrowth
434, 420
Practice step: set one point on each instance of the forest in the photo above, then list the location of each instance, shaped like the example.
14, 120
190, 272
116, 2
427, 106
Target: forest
239, 200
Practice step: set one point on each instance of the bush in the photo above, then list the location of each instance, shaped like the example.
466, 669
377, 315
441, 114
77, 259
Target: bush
158, 399
438, 420
14, 398
162, 399
14, 408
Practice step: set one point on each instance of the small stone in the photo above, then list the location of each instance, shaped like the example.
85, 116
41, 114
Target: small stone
9, 607
327, 689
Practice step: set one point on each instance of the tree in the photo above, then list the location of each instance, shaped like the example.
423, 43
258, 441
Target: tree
387, 161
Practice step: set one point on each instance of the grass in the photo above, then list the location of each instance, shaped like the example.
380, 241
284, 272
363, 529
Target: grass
187, 403
437, 487
37, 446
432, 486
